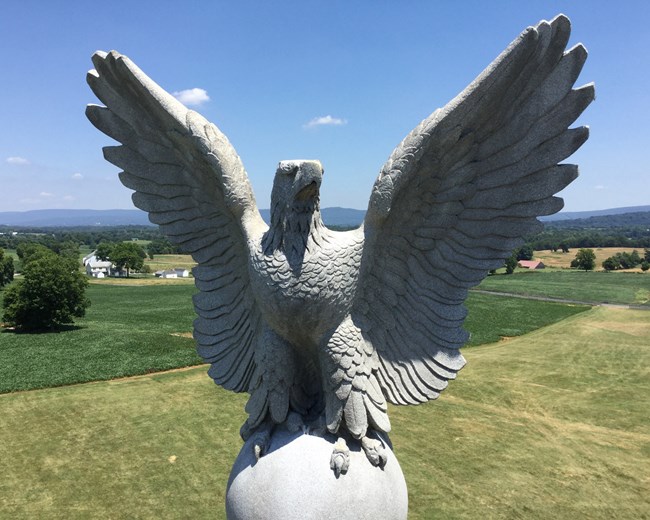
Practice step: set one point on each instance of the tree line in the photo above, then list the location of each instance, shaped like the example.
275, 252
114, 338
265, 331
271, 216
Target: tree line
625, 260
88, 236
627, 230
553, 238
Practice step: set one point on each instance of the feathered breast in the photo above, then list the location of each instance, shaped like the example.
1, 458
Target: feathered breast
314, 296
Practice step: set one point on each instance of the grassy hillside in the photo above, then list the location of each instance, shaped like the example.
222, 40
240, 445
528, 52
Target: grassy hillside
549, 425
145, 326
625, 288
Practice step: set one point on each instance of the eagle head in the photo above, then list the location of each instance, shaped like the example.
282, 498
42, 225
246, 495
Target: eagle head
297, 185
295, 206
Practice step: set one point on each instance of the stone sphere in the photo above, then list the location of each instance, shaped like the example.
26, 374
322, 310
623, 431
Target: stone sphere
293, 481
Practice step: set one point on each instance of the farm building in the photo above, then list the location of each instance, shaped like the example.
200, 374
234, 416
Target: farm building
100, 268
171, 273
531, 264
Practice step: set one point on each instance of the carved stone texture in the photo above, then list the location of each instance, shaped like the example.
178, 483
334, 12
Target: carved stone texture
324, 328
293, 482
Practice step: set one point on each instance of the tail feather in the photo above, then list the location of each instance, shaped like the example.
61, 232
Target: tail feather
356, 417
257, 407
378, 418
279, 405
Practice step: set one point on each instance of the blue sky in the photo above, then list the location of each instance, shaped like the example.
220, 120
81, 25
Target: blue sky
364, 73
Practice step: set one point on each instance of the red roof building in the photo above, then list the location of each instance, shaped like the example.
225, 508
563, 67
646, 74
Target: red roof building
531, 264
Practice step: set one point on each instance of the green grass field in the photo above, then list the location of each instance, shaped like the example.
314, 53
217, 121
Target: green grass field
552, 425
491, 317
130, 329
127, 330
625, 288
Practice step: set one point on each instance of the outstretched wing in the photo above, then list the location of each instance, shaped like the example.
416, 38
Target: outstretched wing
189, 179
454, 200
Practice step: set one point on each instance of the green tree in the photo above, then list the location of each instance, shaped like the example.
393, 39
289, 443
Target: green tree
623, 260
585, 259
525, 252
129, 256
67, 248
104, 250
28, 251
50, 294
6, 268
511, 263
161, 246
611, 264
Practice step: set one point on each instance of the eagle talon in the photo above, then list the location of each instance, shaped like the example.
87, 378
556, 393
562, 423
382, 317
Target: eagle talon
340, 460
261, 443
375, 451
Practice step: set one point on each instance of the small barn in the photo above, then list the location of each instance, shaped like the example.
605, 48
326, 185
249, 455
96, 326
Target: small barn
531, 264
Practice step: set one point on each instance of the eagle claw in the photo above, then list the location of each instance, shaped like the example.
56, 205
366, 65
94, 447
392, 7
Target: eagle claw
340, 460
261, 441
375, 451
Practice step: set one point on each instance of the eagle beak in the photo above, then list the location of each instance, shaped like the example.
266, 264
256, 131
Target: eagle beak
308, 192
307, 181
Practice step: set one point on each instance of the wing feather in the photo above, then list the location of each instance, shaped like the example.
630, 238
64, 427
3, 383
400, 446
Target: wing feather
454, 199
189, 179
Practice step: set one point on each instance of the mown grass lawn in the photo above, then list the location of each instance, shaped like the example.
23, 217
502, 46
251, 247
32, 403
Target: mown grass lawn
552, 425
624, 288
133, 329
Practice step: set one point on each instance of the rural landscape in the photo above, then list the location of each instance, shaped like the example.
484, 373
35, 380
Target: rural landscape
112, 414
173, 178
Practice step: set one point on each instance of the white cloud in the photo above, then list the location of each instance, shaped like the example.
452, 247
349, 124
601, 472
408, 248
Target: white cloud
77, 176
46, 194
325, 121
68, 198
17, 160
599, 187
192, 96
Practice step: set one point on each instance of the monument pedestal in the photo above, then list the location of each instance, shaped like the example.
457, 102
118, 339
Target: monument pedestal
293, 481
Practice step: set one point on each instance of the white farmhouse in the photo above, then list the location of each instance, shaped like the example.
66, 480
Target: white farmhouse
100, 268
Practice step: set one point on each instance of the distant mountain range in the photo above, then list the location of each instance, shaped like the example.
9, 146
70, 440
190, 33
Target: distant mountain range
571, 215
135, 217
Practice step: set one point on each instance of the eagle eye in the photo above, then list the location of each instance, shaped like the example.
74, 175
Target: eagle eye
288, 168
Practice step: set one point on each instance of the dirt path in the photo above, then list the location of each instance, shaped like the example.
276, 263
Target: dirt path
562, 300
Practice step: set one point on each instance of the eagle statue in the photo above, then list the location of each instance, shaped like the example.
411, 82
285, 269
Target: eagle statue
323, 328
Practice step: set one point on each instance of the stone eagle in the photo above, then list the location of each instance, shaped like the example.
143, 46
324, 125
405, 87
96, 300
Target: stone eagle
324, 328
